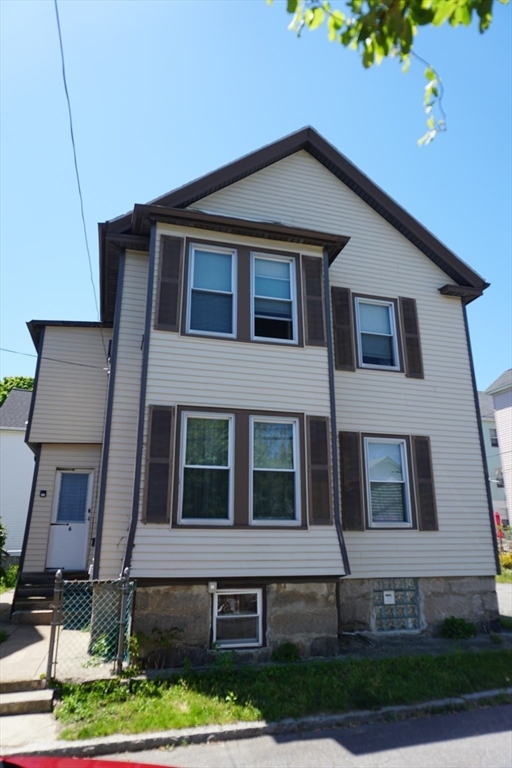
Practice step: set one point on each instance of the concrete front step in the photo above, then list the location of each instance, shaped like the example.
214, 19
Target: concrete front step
26, 702
32, 617
19, 686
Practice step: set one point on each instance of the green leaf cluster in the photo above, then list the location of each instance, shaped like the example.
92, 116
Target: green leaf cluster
378, 29
14, 382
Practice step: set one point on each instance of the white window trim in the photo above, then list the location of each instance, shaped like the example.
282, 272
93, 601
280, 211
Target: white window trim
56, 494
296, 464
405, 470
293, 294
234, 293
259, 595
393, 324
202, 520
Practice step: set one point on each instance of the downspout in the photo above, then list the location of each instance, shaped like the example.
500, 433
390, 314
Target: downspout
142, 401
334, 442
482, 445
108, 421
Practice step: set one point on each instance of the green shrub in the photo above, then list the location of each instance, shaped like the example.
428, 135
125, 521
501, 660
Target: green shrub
457, 629
286, 653
8, 579
506, 561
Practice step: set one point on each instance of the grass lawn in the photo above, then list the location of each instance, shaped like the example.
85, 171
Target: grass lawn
275, 692
505, 576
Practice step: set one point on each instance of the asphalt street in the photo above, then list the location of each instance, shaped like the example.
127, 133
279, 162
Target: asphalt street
481, 738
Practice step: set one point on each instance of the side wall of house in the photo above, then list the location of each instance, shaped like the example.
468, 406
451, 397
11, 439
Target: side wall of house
55, 457
125, 415
16, 471
69, 404
379, 261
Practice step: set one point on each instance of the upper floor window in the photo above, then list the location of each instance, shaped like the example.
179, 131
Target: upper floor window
212, 298
273, 298
275, 479
494, 437
377, 334
499, 478
387, 482
206, 481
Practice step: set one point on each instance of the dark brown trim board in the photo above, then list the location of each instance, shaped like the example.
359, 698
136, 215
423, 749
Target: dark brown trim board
309, 140
481, 438
108, 422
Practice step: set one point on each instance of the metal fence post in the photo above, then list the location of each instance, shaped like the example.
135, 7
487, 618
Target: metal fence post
56, 621
125, 588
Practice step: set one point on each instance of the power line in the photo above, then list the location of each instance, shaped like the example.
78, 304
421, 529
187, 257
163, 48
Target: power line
76, 171
53, 359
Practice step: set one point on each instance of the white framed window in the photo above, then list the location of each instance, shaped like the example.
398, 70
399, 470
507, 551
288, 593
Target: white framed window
387, 483
274, 475
494, 437
273, 298
211, 305
206, 469
237, 618
377, 343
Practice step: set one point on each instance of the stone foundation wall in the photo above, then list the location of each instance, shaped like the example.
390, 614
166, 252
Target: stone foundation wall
304, 614
468, 597
175, 621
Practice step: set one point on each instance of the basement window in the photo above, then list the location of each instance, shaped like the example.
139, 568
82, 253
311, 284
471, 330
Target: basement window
237, 618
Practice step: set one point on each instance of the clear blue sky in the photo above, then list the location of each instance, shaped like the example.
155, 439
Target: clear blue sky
163, 92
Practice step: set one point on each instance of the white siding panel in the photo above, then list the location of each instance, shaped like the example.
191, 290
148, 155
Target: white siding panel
71, 392
16, 471
125, 415
215, 554
379, 261
53, 457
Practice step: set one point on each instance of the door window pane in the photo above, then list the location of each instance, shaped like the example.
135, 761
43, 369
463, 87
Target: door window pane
72, 497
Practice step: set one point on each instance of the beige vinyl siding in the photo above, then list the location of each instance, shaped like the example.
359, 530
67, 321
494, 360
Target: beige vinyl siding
71, 392
54, 457
379, 261
504, 429
125, 416
188, 370
216, 554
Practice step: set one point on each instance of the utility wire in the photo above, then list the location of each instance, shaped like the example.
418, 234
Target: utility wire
54, 359
76, 171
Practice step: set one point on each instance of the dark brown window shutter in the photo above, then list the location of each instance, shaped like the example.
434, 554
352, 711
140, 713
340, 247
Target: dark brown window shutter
351, 482
343, 329
313, 301
168, 301
158, 465
411, 334
320, 504
425, 496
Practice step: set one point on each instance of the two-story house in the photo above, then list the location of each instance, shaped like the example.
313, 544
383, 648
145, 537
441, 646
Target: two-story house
269, 426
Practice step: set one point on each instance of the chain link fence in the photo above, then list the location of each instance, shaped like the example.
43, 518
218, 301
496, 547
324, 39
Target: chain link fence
91, 626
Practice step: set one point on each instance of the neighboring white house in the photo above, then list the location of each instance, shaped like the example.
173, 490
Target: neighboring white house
501, 391
16, 467
493, 456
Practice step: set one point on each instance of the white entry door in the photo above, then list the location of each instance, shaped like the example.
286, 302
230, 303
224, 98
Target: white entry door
69, 529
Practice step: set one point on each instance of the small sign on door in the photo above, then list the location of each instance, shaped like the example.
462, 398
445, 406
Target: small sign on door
389, 597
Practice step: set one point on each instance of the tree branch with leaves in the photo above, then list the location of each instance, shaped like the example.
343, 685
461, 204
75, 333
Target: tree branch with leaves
378, 29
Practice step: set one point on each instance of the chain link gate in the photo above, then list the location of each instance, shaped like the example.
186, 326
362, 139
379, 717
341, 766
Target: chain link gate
91, 625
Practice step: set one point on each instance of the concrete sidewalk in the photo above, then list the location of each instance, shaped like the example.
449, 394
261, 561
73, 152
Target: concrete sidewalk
24, 655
